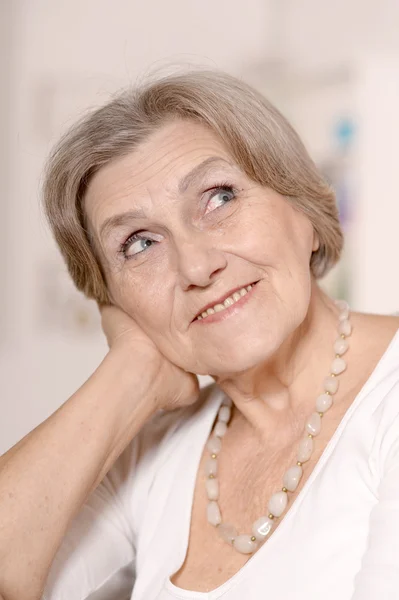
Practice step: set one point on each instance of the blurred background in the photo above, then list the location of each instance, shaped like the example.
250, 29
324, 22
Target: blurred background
331, 68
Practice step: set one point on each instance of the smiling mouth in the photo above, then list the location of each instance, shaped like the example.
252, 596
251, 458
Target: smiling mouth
227, 303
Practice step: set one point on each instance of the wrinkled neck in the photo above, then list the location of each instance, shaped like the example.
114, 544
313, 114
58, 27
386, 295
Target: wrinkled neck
277, 394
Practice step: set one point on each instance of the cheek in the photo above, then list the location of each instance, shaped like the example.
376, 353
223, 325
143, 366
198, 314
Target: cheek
279, 241
302, 236
288, 236
260, 239
148, 300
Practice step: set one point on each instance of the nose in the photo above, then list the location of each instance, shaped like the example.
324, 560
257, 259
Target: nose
199, 261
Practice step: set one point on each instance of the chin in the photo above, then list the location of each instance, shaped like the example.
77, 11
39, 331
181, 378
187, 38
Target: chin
238, 358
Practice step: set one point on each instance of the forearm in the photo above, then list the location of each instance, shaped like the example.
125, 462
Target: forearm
46, 477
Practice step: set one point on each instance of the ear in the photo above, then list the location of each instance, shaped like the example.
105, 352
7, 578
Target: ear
111, 296
316, 241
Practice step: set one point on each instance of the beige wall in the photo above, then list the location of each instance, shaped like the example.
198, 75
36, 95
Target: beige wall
66, 56
61, 57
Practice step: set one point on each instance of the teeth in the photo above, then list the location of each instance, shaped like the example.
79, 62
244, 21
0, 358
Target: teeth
219, 307
210, 311
228, 302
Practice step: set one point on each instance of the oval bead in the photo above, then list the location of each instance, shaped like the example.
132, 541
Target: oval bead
212, 488
323, 403
213, 513
244, 544
345, 328
343, 315
261, 528
211, 467
214, 444
313, 424
220, 429
292, 478
227, 532
331, 384
224, 414
278, 503
338, 366
341, 346
305, 449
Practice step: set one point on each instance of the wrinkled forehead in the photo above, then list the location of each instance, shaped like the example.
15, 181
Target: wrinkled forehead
159, 164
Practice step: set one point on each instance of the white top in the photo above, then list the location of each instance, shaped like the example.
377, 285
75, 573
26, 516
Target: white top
338, 540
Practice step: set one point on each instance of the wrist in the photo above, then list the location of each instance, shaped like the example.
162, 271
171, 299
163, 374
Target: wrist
122, 391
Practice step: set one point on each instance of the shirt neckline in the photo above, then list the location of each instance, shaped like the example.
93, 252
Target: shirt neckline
215, 400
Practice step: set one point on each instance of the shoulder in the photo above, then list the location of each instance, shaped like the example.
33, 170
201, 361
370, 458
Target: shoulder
374, 362
374, 331
376, 339
378, 343
374, 347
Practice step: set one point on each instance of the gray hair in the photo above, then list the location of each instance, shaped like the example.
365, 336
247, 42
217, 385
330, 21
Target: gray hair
257, 135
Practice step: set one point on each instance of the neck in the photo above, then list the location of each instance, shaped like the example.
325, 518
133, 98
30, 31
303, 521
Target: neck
280, 393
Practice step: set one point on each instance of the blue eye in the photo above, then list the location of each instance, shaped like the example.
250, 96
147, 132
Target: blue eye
143, 243
222, 194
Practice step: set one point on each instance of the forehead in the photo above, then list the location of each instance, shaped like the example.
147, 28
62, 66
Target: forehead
158, 163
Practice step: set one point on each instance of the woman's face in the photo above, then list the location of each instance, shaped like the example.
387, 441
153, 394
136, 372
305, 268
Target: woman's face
180, 227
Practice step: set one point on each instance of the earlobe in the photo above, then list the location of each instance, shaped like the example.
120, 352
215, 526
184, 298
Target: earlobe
316, 242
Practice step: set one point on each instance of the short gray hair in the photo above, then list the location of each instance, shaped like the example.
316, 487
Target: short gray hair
257, 135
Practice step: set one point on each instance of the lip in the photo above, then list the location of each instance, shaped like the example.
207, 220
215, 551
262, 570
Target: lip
221, 300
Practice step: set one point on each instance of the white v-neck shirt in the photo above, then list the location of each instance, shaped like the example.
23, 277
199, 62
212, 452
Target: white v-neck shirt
339, 539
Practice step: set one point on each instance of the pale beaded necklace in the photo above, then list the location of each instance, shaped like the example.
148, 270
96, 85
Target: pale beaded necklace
262, 527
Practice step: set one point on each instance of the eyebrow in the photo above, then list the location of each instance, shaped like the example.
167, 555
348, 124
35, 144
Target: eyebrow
119, 220
197, 172
188, 180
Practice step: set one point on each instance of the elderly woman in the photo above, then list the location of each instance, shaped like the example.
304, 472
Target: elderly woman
191, 212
